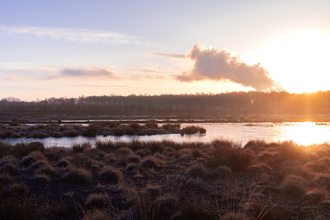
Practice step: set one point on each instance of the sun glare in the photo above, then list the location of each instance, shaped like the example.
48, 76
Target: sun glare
299, 62
307, 132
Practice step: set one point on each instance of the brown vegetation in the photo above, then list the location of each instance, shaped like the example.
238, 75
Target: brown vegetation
165, 180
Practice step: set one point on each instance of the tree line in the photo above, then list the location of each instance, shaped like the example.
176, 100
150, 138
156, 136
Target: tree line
219, 104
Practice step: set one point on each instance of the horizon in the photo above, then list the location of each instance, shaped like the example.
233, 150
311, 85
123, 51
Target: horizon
72, 49
15, 99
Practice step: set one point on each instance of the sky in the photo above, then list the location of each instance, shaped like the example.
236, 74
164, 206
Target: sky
82, 47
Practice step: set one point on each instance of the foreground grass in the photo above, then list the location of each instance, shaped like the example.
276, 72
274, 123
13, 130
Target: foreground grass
165, 180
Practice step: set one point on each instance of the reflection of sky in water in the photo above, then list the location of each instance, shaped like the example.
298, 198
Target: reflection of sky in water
303, 133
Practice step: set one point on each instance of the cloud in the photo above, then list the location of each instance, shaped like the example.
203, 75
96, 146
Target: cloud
211, 64
170, 55
84, 36
88, 72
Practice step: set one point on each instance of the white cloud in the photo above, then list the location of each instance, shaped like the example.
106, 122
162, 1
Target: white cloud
169, 55
223, 65
83, 36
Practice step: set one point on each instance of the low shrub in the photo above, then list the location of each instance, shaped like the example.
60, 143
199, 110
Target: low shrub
231, 215
194, 210
294, 190
196, 153
150, 162
169, 152
221, 172
81, 160
98, 215
15, 135
315, 196
106, 146
63, 163
37, 165
166, 127
14, 204
5, 134
39, 134
291, 151
56, 153
47, 170
151, 124
197, 171
151, 191
262, 209
11, 169
133, 159
97, 201
27, 161
57, 135
114, 124
90, 131
118, 131
79, 148
111, 174
78, 176
71, 133
192, 129
231, 155
40, 178
135, 126
125, 151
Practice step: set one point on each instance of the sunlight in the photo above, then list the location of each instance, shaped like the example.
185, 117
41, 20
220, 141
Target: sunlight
299, 62
307, 133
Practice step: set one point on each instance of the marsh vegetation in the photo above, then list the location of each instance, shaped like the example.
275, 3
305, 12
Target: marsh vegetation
103, 128
165, 180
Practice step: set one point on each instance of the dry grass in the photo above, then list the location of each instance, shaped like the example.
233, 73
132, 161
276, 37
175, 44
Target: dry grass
79, 148
111, 175
231, 155
78, 176
97, 201
167, 180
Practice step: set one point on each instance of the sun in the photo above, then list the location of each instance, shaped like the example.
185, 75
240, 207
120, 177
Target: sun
299, 61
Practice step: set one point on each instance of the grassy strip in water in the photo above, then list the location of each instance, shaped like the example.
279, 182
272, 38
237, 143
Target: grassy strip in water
96, 128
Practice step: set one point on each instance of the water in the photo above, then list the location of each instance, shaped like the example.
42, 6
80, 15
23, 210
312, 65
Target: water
303, 133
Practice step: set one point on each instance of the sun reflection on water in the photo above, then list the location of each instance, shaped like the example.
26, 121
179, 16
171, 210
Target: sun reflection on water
308, 133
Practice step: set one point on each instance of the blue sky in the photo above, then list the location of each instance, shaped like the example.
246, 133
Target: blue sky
73, 48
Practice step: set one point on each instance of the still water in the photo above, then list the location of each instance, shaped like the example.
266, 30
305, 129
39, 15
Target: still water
303, 133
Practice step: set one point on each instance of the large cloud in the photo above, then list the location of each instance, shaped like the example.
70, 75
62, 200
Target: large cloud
211, 64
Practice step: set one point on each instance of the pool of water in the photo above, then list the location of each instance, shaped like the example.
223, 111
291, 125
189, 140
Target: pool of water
303, 133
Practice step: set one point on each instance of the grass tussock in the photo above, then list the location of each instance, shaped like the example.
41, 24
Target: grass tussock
20, 150
14, 203
79, 148
165, 180
97, 201
111, 175
151, 162
194, 209
227, 153
78, 176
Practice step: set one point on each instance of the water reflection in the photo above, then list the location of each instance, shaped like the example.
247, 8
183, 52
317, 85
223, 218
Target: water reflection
304, 133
